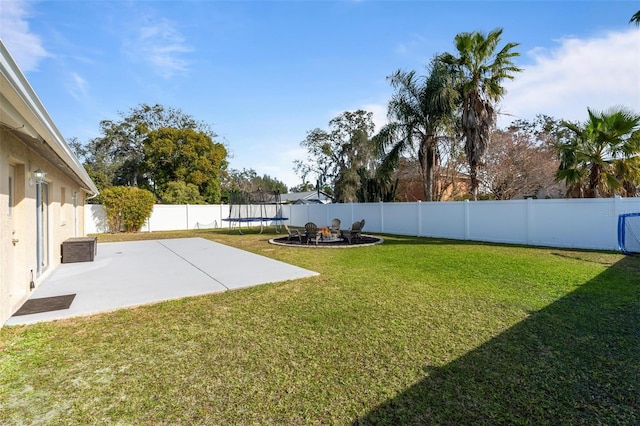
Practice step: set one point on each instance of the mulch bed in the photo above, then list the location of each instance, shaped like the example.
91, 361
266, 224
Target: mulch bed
45, 304
364, 240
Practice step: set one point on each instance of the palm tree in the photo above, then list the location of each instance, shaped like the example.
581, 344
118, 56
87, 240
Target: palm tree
627, 171
420, 110
603, 158
636, 18
480, 71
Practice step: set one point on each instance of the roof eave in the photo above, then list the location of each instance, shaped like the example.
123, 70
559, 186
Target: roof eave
36, 121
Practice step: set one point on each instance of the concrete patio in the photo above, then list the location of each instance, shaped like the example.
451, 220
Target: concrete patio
140, 272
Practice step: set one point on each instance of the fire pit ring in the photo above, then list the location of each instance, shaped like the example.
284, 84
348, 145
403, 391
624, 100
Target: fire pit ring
363, 241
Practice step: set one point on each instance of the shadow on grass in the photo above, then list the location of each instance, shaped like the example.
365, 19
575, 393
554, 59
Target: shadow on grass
392, 239
576, 361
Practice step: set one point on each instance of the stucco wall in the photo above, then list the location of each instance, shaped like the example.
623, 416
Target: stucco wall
19, 259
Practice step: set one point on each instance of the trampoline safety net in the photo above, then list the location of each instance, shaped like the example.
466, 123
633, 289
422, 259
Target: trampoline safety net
629, 232
253, 212
261, 206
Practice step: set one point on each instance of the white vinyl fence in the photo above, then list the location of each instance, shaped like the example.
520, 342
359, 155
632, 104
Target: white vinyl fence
572, 223
164, 217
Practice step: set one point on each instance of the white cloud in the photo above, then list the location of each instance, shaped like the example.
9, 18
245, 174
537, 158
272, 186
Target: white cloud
379, 114
160, 44
278, 165
401, 49
284, 174
598, 73
25, 46
77, 87
412, 46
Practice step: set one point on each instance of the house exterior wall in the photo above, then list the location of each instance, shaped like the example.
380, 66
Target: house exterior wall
410, 186
18, 229
31, 233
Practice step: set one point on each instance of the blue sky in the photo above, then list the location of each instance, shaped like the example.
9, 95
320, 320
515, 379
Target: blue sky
264, 73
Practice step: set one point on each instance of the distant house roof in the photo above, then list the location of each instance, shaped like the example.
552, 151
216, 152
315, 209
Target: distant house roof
22, 114
307, 197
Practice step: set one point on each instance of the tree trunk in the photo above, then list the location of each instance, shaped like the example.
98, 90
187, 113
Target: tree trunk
427, 159
473, 174
423, 159
428, 181
630, 189
594, 180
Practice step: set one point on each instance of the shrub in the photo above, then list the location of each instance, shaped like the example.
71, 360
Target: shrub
111, 200
127, 207
181, 193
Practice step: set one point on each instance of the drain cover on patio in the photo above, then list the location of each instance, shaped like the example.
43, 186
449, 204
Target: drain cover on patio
45, 304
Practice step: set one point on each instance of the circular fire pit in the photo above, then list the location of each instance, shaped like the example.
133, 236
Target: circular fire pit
363, 241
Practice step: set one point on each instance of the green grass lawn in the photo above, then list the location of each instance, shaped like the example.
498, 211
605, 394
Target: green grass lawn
413, 331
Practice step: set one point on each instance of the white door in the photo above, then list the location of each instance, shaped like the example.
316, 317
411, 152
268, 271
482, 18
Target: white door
42, 227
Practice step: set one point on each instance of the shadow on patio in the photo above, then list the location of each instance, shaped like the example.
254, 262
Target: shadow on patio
576, 361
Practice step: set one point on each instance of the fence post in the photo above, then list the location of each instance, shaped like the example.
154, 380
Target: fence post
617, 210
326, 213
616, 206
529, 219
466, 219
419, 205
187, 212
381, 217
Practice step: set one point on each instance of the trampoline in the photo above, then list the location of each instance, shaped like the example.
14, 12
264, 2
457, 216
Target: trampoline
255, 207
